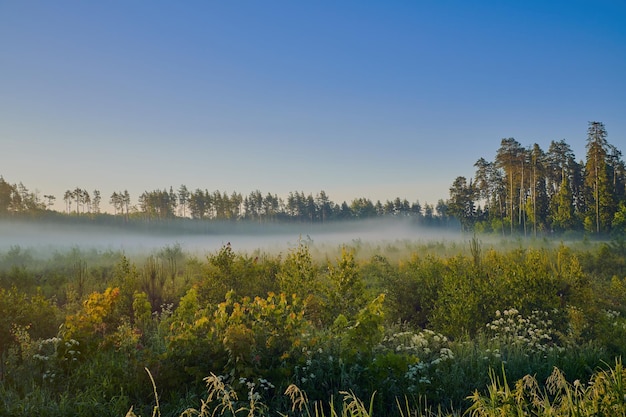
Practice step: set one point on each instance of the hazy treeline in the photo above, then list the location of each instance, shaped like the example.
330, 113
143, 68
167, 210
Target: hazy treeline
525, 190
167, 204
529, 190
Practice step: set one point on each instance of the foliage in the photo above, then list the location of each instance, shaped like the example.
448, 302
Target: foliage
244, 338
414, 288
35, 313
247, 275
98, 317
416, 329
347, 292
298, 274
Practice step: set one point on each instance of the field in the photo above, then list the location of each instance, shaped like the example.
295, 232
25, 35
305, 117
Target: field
319, 322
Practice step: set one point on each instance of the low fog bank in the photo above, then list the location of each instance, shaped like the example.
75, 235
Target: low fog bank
43, 236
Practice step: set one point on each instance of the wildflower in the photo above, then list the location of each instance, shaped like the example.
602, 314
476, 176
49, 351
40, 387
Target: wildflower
446, 353
254, 396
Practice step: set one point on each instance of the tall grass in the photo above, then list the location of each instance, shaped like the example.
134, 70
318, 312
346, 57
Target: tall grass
603, 395
222, 400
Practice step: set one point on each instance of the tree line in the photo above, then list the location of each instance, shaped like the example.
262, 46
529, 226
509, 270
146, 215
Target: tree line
524, 190
257, 206
530, 191
202, 204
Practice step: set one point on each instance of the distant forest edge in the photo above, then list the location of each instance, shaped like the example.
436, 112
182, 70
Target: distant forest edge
523, 191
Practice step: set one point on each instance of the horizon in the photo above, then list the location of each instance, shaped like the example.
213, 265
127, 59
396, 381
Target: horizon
370, 100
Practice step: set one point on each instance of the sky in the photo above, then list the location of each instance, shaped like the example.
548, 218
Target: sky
375, 99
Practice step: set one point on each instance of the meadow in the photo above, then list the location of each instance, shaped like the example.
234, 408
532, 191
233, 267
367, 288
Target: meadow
476, 325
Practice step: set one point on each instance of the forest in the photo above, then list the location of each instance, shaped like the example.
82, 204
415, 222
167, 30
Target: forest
522, 313
524, 190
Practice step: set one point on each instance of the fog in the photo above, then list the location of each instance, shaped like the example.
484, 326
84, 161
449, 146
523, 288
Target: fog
272, 238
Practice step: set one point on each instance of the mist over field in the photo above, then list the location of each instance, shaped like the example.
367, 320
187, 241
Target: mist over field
274, 238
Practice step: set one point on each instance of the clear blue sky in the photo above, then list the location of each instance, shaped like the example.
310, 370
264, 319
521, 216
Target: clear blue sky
377, 99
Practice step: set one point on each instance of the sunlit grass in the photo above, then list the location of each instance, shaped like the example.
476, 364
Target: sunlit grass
604, 395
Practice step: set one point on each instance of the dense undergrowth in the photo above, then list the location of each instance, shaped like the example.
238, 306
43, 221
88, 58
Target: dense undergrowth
400, 328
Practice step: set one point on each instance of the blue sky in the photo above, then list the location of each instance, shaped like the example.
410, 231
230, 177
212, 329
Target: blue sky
377, 99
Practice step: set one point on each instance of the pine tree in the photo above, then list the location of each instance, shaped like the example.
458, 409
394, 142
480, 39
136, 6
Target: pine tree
599, 194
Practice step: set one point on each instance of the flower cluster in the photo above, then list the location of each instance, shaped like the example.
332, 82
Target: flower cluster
316, 364
422, 344
428, 347
615, 319
611, 314
256, 388
420, 373
533, 333
56, 355
166, 311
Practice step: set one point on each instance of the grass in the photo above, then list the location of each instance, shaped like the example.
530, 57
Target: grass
603, 395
